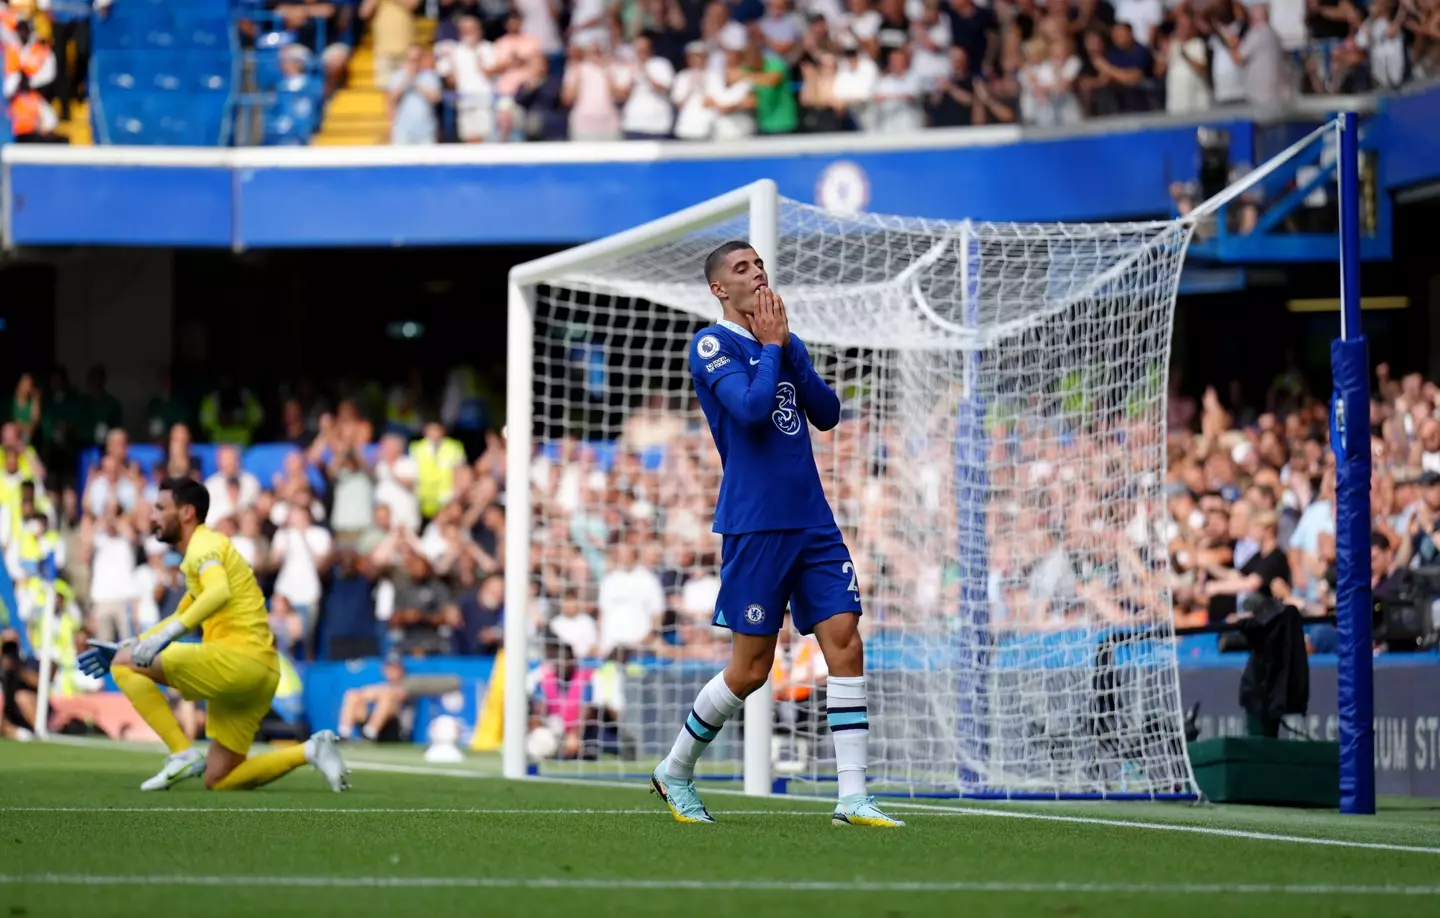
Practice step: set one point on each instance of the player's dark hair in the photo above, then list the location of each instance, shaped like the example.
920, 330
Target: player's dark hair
188, 492
715, 259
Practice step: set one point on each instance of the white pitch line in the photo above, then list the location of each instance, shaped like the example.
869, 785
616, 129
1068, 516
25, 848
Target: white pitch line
361, 811
637, 883
903, 805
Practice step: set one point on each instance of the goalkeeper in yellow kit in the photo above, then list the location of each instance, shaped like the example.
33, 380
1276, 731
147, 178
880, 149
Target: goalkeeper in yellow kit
234, 669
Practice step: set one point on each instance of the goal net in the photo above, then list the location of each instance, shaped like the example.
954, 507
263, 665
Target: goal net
998, 474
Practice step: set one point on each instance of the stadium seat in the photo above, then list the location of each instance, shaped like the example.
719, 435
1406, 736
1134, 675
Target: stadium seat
134, 32
124, 116
206, 72
204, 33
122, 70
192, 119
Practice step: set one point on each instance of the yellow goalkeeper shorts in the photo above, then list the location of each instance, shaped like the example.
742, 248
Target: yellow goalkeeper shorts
237, 689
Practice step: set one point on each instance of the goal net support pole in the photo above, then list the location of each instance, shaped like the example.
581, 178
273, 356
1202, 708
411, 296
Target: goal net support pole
1350, 439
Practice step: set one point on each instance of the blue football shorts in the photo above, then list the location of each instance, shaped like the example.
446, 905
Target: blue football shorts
761, 571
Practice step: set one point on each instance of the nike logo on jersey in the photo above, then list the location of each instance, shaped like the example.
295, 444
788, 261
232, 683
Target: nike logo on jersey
754, 361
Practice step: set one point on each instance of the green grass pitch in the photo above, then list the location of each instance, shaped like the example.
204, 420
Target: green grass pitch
78, 838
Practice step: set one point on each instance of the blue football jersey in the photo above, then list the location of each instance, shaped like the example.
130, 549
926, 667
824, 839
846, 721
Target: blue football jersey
770, 481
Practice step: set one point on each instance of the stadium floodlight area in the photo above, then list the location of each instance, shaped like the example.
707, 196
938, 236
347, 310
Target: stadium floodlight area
998, 473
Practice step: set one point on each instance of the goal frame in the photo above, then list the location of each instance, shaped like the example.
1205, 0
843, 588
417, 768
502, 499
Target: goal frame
761, 202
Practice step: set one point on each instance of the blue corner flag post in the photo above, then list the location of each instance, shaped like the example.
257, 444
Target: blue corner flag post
1350, 439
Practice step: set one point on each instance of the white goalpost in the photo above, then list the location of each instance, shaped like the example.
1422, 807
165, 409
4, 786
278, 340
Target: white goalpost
998, 474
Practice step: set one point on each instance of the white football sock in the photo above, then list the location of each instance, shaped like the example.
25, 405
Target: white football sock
849, 730
713, 706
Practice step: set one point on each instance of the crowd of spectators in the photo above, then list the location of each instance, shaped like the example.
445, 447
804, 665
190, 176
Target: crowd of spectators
711, 69
1252, 506
377, 525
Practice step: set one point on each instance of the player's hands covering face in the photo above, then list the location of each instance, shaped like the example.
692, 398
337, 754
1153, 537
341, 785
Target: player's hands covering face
770, 324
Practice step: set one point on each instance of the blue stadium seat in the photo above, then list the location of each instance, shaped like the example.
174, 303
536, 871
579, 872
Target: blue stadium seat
206, 72
204, 33
192, 119
122, 70
134, 32
125, 116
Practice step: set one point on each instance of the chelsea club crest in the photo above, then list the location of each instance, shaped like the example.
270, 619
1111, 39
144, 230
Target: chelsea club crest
754, 613
843, 189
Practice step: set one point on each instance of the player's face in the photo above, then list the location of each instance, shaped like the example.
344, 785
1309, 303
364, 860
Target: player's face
742, 274
165, 519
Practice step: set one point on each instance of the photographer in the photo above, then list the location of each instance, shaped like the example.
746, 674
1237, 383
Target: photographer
19, 679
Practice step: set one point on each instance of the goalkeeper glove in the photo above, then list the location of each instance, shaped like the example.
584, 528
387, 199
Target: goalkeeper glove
148, 648
96, 661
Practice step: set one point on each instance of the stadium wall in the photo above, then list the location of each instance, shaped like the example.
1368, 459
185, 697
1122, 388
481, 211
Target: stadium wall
567, 193
1407, 716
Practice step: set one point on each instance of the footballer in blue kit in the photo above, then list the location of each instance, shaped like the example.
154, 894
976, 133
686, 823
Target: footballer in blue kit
780, 544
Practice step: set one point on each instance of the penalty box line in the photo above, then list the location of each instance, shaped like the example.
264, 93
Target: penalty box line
638, 883
908, 807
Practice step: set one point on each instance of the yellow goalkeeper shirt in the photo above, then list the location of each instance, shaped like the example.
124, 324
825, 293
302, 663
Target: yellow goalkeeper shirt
242, 624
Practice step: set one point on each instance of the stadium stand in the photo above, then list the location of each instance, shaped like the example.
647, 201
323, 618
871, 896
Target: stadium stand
252, 72
375, 533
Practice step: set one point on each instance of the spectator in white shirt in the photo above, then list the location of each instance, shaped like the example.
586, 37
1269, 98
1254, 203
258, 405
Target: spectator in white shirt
231, 488
1050, 84
732, 97
540, 23
1226, 79
413, 93
897, 100
1187, 72
469, 66
109, 548
860, 27
300, 551
111, 485
694, 120
152, 580
1381, 36
854, 87
697, 604
1262, 60
720, 34
590, 24
574, 626
644, 86
631, 603
1142, 15
395, 478
930, 45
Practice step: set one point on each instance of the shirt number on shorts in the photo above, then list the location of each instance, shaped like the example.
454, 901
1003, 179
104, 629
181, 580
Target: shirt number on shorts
849, 569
